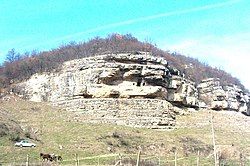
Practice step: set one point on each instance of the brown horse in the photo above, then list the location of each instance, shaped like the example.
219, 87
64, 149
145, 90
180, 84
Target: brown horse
50, 157
47, 157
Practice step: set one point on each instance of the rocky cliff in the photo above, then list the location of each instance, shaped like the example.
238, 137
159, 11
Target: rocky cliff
134, 89
219, 97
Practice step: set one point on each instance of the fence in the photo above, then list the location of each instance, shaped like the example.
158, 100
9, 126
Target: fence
132, 159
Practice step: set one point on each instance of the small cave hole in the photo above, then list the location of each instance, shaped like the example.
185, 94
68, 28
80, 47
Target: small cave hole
139, 81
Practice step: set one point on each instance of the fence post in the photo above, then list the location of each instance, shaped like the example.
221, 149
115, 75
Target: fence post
27, 160
198, 158
213, 135
241, 159
175, 158
159, 160
76, 158
138, 158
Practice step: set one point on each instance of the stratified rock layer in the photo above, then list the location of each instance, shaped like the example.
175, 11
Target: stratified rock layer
134, 89
147, 113
222, 97
112, 76
136, 81
182, 91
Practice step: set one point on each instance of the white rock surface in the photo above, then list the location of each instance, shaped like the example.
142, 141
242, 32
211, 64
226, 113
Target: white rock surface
138, 76
222, 97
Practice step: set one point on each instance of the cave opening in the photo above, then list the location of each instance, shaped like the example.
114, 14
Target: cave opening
139, 81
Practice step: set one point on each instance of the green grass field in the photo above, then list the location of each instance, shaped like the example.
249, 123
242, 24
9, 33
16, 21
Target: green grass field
59, 132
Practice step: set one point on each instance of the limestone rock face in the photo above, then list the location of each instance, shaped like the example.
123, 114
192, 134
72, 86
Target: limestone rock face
139, 76
36, 88
105, 76
100, 87
207, 89
147, 113
182, 91
222, 97
112, 76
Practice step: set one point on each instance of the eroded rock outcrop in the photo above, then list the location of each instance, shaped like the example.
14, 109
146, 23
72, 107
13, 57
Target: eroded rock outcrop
220, 97
182, 92
134, 89
134, 77
105, 76
212, 94
147, 113
112, 76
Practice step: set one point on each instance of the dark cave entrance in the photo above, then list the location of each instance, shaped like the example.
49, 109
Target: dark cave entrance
139, 82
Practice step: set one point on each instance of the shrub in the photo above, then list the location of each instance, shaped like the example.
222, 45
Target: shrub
14, 137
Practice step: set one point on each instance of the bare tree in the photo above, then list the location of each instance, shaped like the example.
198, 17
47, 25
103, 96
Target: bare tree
12, 55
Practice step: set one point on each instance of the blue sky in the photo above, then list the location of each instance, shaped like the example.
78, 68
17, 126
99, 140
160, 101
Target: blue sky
214, 31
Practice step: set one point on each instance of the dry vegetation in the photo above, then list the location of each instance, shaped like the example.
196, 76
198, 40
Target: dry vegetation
50, 128
18, 67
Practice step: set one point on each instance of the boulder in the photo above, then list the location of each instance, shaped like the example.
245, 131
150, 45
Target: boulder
182, 91
219, 105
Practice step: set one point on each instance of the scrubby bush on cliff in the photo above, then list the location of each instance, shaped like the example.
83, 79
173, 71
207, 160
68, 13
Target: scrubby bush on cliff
19, 67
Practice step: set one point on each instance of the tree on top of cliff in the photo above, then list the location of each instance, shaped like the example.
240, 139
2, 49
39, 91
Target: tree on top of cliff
12, 56
19, 67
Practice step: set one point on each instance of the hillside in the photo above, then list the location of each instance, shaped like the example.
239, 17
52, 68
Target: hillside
63, 132
9, 126
115, 90
19, 67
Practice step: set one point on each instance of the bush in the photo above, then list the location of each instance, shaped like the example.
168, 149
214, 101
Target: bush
3, 129
124, 142
14, 137
18, 68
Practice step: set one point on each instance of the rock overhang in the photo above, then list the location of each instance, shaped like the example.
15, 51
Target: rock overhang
130, 76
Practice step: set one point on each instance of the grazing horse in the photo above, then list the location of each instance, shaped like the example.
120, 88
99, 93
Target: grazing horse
47, 157
50, 157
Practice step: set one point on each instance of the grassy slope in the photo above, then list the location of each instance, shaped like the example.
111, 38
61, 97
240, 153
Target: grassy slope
57, 127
